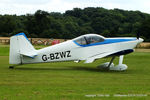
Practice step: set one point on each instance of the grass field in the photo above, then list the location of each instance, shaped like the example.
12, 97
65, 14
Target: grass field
75, 81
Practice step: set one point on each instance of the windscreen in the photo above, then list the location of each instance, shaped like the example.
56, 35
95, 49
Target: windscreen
94, 39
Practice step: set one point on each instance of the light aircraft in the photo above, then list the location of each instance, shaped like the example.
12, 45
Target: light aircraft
89, 47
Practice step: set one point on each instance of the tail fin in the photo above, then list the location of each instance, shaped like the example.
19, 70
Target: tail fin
20, 46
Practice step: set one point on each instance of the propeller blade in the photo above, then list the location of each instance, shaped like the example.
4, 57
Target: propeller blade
138, 35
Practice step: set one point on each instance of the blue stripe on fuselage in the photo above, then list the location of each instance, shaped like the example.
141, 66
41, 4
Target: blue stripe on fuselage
106, 41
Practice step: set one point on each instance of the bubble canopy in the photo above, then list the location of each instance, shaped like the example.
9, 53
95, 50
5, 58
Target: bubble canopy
88, 39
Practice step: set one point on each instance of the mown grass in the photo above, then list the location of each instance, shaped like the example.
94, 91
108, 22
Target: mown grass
73, 81
4, 50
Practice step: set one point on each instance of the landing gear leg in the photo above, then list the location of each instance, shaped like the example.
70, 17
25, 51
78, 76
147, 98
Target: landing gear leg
111, 61
121, 59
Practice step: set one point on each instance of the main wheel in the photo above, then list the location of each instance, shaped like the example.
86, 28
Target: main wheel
120, 67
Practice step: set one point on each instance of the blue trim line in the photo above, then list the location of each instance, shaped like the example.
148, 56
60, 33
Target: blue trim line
106, 41
22, 34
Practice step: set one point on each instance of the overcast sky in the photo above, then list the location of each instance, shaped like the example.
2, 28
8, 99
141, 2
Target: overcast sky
20, 7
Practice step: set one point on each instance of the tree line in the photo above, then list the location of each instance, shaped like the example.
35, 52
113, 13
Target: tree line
76, 22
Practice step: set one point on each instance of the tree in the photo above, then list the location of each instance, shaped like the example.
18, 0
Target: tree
7, 24
76, 22
144, 30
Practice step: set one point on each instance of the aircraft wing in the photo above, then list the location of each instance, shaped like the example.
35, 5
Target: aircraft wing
98, 56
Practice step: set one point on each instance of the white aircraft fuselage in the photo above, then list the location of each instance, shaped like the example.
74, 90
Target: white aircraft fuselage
86, 47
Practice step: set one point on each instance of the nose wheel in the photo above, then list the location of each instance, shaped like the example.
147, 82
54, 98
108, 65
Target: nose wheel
110, 65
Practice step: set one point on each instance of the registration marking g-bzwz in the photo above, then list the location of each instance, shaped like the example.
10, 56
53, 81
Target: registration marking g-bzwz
56, 55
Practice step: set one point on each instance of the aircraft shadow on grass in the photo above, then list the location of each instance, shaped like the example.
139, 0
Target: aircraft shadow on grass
68, 68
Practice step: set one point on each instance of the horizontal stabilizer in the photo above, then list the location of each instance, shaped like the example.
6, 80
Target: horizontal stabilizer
29, 54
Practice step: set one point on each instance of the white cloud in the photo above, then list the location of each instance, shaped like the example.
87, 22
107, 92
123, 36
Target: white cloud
141, 5
30, 6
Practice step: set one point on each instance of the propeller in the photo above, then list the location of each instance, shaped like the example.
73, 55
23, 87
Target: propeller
138, 35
